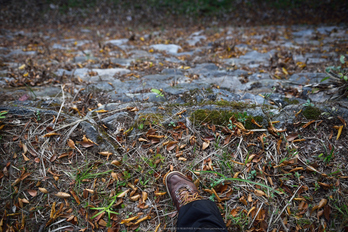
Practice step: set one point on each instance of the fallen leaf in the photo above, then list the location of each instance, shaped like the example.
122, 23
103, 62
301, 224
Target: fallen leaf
101, 111
171, 145
129, 219
102, 222
143, 219
75, 196
339, 132
135, 198
32, 193
182, 159
62, 195
43, 190
342, 120
142, 140
205, 145
254, 122
116, 162
71, 144
291, 137
123, 193
307, 124
160, 193
252, 209
50, 134
322, 203
259, 193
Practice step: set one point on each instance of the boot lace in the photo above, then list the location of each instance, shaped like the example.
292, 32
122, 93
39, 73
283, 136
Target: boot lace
185, 196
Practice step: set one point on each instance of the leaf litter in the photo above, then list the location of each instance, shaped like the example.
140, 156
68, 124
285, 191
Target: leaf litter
269, 180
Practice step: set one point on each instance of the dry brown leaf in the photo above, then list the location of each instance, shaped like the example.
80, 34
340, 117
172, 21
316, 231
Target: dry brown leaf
53, 210
71, 143
307, 124
142, 140
144, 196
252, 209
116, 162
250, 199
182, 159
101, 111
143, 219
322, 203
50, 134
75, 196
254, 122
259, 193
160, 193
171, 145
43, 190
62, 195
291, 137
205, 145
129, 219
339, 132
342, 120
32, 192
296, 169
25, 158
234, 212
135, 198
102, 222
157, 227
123, 193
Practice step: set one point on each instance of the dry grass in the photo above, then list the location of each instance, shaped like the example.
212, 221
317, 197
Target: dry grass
259, 181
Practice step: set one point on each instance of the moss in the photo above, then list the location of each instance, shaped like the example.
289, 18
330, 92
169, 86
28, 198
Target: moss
209, 90
311, 112
217, 117
233, 104
291, 101
221, 117
249, 125
147, 119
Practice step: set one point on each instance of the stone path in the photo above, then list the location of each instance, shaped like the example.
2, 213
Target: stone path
192, 70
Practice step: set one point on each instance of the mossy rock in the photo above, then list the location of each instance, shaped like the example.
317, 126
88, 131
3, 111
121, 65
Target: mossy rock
311, 112
221, 117
147, 119
291, 101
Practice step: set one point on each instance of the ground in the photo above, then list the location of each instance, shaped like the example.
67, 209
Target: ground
93, 117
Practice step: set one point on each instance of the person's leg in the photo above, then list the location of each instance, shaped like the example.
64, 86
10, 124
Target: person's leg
195, 214
202, 214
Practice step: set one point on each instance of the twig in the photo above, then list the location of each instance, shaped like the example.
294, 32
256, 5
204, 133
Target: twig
287, 204
61, 107
256, 215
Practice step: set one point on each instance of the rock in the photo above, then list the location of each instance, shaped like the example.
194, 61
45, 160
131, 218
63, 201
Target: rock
304, 33
19, 52
169, 48
116, 42
252, 59
172, 71
194, 39
123, 62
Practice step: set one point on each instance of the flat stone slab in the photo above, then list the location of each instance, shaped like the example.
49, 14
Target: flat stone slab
169, 48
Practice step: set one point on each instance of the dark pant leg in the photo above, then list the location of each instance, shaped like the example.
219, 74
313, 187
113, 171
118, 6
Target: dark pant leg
200, 216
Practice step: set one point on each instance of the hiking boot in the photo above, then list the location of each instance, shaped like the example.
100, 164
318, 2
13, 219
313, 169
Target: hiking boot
181, 190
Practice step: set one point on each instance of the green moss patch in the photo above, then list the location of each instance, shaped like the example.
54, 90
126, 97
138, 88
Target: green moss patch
147, 119
221, 117
311, 112
291, 101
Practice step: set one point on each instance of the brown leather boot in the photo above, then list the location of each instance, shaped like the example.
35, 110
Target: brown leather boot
181, 190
